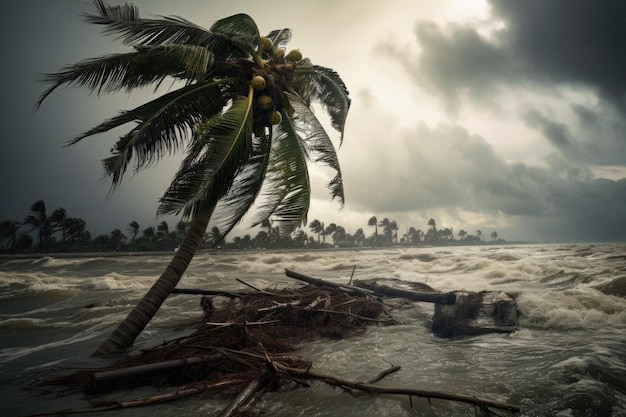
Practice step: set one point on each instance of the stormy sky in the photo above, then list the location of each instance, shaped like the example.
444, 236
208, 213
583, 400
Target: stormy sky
506, 116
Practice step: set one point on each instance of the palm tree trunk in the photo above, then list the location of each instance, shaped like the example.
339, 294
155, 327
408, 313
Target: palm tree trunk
127, 331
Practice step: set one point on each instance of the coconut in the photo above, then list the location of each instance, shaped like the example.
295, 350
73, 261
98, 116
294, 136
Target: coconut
258, 83
294, 55
266, 44
276, 118
264, 102
279, 53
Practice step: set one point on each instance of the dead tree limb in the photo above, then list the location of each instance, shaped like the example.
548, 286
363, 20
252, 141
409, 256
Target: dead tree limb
105, 377
429, 297
374, 389
321, 283
195, 291
379, 290
151, 400
243, 398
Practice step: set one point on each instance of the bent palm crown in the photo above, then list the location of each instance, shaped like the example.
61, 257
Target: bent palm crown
233, 151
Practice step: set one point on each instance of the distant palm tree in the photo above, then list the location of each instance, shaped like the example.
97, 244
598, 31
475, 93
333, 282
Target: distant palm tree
339, 235
75, 231
8, 233
394, 228
373, 221
387, 231
38, 220
359, 237
116, 239
133, 228
479, 233
494, 235
330, 229
462, 234
58, 220
238, 131
317, 227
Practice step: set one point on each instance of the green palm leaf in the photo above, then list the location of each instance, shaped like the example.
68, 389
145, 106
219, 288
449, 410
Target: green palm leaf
323, 85
319, 145
163, 125
280, 38
150, 65
233, 36
288, 192
245, 189
220, 147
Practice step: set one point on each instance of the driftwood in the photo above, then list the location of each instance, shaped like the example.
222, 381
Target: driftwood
182, 392
106, 377
429, 297
244, 398
375, 389
370, 388
378, 290
321, 283
195, 291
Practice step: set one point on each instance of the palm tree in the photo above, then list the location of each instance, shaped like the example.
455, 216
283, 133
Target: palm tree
38, 220
462, 233
8, 233
317, 227
359, 237
330, 229
373, 221
479, 233
75, 231
133, 228
237, 131
394, 228
58, 220
494, 235
339, 235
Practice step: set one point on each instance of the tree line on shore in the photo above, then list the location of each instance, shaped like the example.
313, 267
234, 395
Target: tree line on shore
58, 232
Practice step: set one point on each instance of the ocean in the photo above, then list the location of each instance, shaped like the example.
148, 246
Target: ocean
567, 357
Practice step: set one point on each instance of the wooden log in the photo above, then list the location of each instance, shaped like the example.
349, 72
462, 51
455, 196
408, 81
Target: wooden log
243, 398
429, 297
379, 290
105, 377
321, 283
195, 291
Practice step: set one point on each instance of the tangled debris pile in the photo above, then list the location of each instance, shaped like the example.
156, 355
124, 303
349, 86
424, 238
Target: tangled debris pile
244, 346
237, 339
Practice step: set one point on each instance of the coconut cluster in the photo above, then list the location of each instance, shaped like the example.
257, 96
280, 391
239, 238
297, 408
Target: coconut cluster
271, 77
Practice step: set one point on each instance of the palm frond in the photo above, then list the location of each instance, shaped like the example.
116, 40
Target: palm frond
190, 62
245, 189
280, 38
288, 192
320, 146
239, 30
220, 148
233, 36
163, 125
115, 72
124, 21
323, 85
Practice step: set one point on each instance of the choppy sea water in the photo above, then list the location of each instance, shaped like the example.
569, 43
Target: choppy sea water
568, 357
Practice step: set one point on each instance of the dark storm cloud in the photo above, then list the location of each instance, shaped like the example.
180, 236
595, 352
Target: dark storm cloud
541, 42
459, 60
565, 54
567, 41
447, 169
